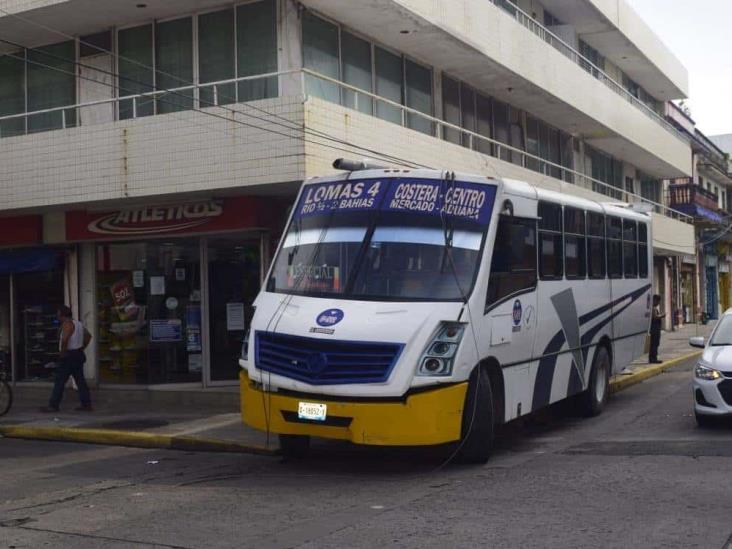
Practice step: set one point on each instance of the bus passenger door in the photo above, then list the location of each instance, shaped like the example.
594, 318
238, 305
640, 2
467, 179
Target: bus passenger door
511, 308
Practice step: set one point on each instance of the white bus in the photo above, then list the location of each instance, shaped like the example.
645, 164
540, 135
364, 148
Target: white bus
419, 307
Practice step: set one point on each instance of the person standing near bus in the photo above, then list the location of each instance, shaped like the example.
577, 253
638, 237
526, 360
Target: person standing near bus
73, 339
656, 318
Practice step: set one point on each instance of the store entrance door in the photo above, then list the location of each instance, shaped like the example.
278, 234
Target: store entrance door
234, 278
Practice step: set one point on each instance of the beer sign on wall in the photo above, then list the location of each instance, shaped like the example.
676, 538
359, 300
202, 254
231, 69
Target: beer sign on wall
191, 217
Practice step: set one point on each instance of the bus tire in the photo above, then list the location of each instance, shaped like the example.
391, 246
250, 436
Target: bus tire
478, 421
294, 446
593, 399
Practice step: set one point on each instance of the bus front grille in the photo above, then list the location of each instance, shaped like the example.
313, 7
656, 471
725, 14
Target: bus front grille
324, 361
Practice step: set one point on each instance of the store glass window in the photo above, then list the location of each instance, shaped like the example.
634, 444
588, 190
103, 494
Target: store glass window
37, 298
149, 312
234, 279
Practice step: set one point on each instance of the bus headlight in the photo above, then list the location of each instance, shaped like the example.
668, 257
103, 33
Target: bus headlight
439, 355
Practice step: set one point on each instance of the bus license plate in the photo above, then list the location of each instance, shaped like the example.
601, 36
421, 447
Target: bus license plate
312, 411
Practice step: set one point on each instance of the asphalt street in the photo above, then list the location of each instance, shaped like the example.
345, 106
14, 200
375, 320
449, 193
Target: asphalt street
640, 475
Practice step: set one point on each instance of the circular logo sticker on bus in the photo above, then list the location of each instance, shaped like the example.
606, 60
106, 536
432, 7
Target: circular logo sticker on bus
330, 317
517, 311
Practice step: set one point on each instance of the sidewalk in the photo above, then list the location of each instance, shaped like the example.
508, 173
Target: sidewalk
184, 423
674, 348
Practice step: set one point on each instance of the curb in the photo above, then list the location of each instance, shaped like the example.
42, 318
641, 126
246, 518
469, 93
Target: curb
134, 439
618, 383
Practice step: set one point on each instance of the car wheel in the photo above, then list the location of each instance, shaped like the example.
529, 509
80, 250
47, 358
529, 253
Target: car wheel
294, 446
477, 427
592, 400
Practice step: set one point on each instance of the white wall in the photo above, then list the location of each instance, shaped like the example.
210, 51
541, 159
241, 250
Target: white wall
174, 153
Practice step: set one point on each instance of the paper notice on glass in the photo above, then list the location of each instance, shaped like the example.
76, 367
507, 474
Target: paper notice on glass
234, 316
138, 279
195, 363
157, 285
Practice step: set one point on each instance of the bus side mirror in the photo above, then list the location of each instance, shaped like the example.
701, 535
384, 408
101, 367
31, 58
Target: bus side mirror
697, 342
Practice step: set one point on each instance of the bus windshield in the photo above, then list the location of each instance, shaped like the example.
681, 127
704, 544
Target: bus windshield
389, 239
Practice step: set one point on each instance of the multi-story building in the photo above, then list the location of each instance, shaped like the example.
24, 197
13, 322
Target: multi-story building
701, 287
148, 150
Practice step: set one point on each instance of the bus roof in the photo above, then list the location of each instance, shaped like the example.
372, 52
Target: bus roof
510, 186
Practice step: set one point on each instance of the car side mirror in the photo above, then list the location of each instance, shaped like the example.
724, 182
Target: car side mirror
697, 342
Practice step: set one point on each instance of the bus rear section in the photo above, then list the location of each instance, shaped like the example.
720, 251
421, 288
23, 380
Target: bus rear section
421, 308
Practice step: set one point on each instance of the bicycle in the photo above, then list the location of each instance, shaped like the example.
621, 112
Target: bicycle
6, 392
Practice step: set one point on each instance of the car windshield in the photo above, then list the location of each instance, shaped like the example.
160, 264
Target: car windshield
723, 332
390, 239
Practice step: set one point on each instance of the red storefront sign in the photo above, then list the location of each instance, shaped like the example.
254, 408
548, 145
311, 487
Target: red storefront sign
212, 215
23, 229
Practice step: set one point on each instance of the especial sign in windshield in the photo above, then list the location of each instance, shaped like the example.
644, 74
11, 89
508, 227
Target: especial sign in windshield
455, 199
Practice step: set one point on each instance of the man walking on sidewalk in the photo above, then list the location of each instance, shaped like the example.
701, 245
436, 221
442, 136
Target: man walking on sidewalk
656, 318
73, 339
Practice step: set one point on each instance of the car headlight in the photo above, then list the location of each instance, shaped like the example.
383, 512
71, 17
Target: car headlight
705, 372
439, 355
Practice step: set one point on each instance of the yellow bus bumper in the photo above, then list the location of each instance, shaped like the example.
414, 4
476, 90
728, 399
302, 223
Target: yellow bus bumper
428, 417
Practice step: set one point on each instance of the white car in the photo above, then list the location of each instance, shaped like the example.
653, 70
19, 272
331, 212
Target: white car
713, 373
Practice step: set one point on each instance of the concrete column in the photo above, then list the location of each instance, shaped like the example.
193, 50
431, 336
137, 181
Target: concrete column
88, 307
289, 46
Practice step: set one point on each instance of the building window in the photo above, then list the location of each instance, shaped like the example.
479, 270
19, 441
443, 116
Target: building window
12, 93
605, 169
389, 84
135, 48
216, 59
418, 96
451, 109
256, 49
356, 71
593, 56
174, 63
51, 83
320, 54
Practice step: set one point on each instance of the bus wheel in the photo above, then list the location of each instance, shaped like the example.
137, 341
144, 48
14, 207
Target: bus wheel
593, 399
294, 446
477, 429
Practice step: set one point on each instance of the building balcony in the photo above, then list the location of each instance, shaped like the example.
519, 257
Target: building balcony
266, 147
696, 201
539, 72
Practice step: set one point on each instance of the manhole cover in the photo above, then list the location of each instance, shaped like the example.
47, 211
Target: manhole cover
135, 424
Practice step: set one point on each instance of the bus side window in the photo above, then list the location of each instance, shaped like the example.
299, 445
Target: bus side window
642, 250
596, 245
630, 248
551, 253
614, 228
513, 266
574, 243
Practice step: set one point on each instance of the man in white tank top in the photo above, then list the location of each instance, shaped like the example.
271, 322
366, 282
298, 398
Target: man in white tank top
73, 339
